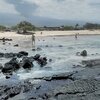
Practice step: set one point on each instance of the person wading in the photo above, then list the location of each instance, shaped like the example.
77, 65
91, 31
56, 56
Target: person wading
33, 41
76, 35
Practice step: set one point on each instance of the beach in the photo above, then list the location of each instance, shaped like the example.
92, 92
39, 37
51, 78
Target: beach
67, 75
57, 33
53, 33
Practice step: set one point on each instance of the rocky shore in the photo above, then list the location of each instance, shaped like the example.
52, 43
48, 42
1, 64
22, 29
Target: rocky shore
76, 85
82, 85
63, 53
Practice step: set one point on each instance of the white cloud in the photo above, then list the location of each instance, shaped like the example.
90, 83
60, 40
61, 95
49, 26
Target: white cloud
7, 8
66, 9
58, 9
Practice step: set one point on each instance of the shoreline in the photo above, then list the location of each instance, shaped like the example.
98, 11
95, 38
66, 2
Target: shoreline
81, 82
52, 33
67, 33
70, 35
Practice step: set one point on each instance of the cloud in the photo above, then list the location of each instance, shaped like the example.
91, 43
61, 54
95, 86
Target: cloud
23, 7
64, 9
95, 5
85, 10
7, 8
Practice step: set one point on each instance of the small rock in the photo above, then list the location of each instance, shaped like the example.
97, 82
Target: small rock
42, 61
1, 66
36, 57
1, 54
16, 45
9, 55
50, 60
24, 53
46, 46
4, 43
33, 49
83, 53
60, 46
38, 49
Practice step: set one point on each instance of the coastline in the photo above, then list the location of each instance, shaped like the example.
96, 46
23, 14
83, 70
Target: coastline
53, 33
67, 33
73, 85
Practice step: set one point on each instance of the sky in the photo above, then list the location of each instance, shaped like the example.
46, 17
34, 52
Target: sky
49, 11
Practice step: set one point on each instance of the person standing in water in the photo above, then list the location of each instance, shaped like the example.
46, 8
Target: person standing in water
33, 40
41, 33
76, 36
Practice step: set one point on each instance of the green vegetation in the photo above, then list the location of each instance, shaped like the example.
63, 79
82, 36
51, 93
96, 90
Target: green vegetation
87, 26
2, 28
68, 28
91, 26
25, 26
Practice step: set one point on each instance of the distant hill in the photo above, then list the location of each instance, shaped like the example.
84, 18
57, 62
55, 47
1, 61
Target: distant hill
9, 20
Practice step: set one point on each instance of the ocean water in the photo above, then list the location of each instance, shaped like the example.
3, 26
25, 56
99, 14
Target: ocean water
61, 49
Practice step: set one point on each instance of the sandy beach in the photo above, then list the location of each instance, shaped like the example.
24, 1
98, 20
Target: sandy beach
52, 33
57, 33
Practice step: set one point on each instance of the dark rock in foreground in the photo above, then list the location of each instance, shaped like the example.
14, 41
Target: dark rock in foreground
86, 89
65, 86
11, 66
42, 61
91, 63
27, 63
36, 57
1, 55
9, 91
63, 76
11, 55
1, 66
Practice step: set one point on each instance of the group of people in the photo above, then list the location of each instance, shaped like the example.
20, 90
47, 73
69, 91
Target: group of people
33, 39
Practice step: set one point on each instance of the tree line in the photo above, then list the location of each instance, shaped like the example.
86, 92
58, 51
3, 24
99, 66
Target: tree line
27, 26
87, 26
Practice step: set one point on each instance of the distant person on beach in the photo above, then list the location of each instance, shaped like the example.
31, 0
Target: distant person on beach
33, 40
76, 35
41, 33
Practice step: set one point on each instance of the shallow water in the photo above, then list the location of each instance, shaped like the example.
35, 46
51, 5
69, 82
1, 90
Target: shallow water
61, 49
